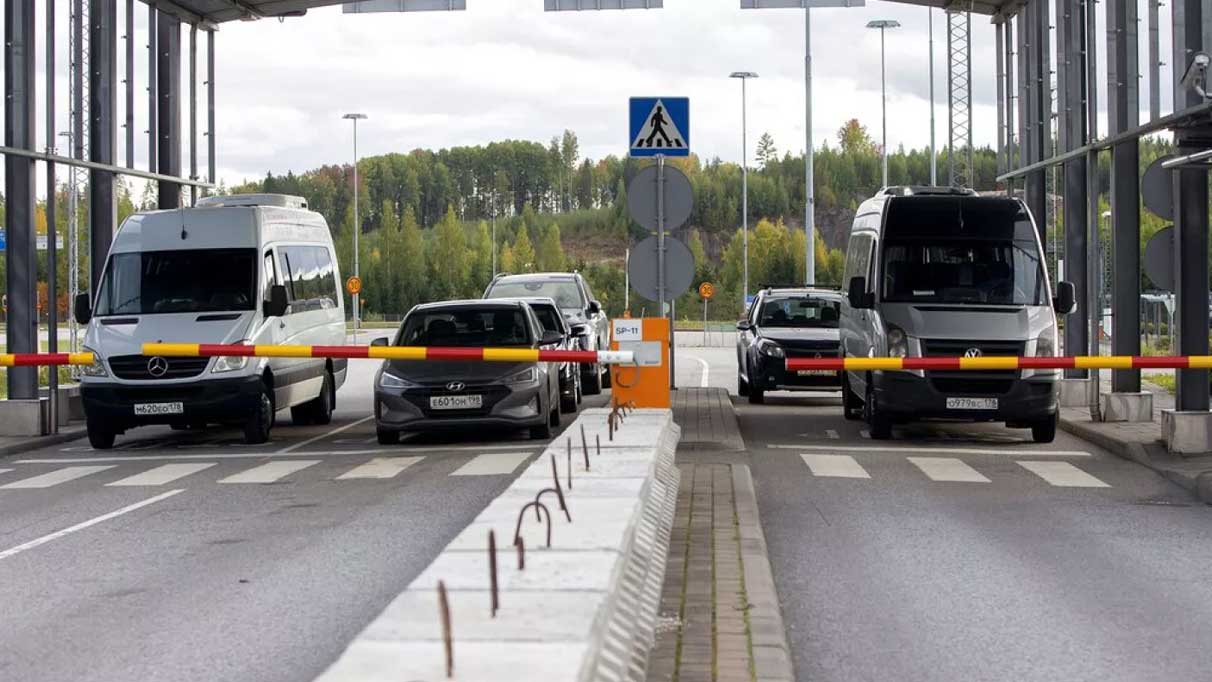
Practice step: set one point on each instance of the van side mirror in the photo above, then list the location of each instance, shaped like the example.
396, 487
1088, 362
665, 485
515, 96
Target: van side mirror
550, 338
277, 303
743, 326
857, 295
1065, 300
82, 309
381, 341
595, 307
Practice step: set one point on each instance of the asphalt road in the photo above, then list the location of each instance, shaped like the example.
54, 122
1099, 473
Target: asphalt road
966, 552
190, 556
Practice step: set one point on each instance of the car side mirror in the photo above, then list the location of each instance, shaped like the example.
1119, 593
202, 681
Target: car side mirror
1065, 300
857, 295
381, 341
550, 338
277, 303
82, 309
580, 330
743, 326
595, 307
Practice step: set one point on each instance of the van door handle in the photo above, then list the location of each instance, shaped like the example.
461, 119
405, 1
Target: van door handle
281, 325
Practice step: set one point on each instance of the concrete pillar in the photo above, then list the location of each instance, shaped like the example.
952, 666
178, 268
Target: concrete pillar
168, 30
19, 185
102, 129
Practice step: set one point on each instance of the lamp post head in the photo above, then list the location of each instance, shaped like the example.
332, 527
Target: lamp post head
883, 23
355, 117
742, 74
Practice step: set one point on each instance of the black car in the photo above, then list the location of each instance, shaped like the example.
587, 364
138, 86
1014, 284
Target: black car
782, 323
552, 320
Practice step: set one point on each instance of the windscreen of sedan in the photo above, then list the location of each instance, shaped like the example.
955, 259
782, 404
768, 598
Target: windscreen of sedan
565, 293
187, 281
800, 312
466, 328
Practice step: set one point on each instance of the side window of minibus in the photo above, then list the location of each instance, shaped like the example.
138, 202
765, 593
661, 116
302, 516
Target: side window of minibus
271, 273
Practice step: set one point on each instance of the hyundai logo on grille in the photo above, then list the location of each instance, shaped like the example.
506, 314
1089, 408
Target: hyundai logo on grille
456, 386
972, 353
157, 366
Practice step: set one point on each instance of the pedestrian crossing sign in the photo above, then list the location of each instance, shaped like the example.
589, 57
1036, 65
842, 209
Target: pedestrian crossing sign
660, 125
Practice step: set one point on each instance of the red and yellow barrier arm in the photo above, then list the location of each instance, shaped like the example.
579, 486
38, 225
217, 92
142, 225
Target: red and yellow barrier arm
193, 350
44, 359
993, 363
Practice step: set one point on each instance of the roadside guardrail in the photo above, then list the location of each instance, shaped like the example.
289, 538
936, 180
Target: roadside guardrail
194, 350
988, 363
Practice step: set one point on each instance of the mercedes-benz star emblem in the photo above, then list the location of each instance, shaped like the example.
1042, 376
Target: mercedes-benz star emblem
157, 366
456, 386
973, 353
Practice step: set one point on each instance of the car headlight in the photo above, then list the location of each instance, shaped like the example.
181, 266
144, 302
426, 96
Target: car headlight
524, 377
770, 349
97, 369
1045, 345
389, 380
230, 363
898, 342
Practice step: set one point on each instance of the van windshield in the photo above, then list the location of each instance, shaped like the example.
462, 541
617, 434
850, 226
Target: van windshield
981, 252
191, 281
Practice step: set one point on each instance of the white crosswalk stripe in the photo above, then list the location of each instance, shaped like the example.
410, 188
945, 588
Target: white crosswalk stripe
835, 466
947, 469
1063, 475
380, 467
55, 477
270, 471
161, 475
492, 464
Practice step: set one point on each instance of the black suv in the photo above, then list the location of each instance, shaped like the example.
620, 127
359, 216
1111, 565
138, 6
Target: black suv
796, 322
581, 310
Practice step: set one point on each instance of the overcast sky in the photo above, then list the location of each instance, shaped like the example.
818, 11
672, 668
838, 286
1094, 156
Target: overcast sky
506, 69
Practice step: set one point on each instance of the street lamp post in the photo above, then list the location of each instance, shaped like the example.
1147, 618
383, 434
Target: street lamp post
933, 154
744, 76
883, 24
357, 226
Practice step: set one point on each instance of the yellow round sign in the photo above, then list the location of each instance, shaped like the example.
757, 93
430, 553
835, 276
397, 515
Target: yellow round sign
353, 285
707, 290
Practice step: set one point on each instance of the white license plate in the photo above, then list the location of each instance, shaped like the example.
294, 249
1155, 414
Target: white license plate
152, 409
815, 373
456, 402
971, 403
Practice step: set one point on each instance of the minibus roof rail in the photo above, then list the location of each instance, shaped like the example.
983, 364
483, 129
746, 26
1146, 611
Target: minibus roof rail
925, 190
232, 200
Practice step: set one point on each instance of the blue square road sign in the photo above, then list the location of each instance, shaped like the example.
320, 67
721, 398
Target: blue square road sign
659, 125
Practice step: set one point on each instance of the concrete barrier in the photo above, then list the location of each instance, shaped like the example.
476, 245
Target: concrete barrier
584, 609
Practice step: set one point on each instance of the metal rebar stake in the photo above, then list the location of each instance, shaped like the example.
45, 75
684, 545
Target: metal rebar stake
492, 571
447, 631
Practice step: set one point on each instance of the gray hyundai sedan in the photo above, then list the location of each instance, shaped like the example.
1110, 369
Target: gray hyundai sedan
429, 395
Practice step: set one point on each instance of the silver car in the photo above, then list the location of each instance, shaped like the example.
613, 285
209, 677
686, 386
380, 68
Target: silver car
428, 395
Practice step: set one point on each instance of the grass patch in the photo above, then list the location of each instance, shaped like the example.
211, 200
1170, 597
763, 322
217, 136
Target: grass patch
1166, 381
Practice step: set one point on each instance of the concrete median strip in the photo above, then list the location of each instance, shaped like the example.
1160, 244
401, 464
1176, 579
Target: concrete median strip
584, 609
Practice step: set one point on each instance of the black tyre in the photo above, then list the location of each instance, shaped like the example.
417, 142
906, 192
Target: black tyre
852, 407
742, 386
594, 384
606, 380
879, 423
568, 403
100, 437
319, 409
261, 419
387, 437
1044, 431
580, 392
756, 395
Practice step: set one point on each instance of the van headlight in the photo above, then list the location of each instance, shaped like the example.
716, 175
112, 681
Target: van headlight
526, 376
97, 369
898, 342
230, 363
770, 349
1045, 345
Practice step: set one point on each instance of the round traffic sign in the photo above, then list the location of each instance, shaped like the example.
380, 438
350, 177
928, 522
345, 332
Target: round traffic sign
1157, 189
1159, 258
353, 285
642, 198
679, 268
707, 290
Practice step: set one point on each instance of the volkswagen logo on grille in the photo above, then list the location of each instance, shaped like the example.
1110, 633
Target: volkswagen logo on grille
157, 367
817, 355
973, 353
456, 386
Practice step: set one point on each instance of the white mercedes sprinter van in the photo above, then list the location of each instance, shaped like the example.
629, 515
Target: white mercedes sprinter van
942, 272
246, 269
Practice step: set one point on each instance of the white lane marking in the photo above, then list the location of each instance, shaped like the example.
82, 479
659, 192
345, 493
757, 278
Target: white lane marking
85, 524
835, 466
5, 471
706, 369
864, 434
165, 473
831, 434
1063, 475
935, 451
492, 464
947, 469
55, 477
534, 447
330, 434
380, 467
354, 441
269, 472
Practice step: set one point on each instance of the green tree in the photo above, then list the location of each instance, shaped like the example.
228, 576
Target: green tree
508, 262
550, 255
853, 138
448, 261
766, 151
523, 252
414, 279
481, 271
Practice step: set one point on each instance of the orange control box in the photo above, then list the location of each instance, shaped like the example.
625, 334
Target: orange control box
645, 383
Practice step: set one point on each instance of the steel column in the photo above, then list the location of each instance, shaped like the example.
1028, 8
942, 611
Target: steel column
1094, 297
1154, 61
1011, 99
1123, 113
1071, 85
193, 112
102, 131
19, 186
1039, 110
77, 77
210, 106
153, 80
168, 45
1020, 73
52, 229
1190, 218
1002, 147
130, 83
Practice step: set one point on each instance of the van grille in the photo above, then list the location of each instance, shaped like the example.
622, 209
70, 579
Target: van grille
134, 368
967, 382
957, 348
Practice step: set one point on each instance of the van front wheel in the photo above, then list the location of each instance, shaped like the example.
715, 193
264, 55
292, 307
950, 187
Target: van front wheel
852, 408
319, 409
1044, 431
879, 423
100, 437
260, 420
